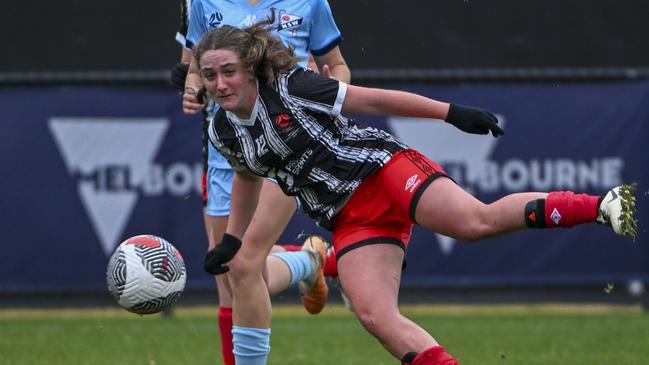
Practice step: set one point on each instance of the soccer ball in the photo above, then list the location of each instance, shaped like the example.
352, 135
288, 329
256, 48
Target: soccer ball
146, 274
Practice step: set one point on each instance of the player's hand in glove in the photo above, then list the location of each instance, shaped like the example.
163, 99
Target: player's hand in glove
473, 120
178, 76
216, 258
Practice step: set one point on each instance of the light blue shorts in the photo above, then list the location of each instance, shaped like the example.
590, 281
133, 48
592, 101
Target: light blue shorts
219, 191
219, 184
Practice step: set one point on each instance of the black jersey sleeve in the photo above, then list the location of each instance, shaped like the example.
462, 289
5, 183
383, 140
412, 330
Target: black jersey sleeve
317, 92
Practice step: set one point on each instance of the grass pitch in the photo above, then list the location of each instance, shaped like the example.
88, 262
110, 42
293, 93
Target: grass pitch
481, 335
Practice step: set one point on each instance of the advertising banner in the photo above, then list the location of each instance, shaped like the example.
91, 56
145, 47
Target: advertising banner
85, 168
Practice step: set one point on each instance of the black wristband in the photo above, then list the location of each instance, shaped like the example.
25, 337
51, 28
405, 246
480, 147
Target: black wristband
231, 242
455, 112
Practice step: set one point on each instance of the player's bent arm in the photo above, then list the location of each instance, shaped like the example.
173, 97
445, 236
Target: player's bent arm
193, 83
336, 62
372, 101
245, 196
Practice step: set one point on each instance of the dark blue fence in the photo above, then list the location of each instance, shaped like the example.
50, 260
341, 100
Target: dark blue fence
85, 168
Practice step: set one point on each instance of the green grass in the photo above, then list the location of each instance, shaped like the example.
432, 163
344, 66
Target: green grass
474, 334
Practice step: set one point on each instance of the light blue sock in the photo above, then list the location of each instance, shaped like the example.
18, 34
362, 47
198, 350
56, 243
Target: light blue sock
251, 345
299, 264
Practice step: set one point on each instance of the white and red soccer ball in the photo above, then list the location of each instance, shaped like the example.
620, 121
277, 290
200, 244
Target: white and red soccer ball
146, 274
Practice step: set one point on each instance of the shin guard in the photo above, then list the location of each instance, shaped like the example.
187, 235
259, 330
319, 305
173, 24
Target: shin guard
561, 209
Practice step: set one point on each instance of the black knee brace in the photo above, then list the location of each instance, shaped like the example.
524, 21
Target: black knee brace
535, 213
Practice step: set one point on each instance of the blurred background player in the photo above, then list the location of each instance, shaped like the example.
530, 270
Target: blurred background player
309, 27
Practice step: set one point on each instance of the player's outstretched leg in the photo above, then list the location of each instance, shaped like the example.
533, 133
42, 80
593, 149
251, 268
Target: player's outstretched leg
617, 209
465, 217
314, 288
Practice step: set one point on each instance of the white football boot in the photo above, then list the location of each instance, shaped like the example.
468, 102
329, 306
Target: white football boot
617, 209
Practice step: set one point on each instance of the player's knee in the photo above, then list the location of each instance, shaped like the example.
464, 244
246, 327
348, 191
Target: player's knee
473, 231
244, 267
477, 227
374, 321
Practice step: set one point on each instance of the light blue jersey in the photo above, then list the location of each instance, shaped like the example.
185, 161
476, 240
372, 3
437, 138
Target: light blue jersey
305, 25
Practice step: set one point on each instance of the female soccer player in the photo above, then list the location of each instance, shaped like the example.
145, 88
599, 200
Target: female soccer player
364, 185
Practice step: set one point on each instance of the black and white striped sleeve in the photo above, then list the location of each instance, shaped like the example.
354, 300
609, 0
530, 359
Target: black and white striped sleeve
317, 92
181, 34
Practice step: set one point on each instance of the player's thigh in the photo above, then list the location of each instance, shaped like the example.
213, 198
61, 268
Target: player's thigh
446, 208
370, 276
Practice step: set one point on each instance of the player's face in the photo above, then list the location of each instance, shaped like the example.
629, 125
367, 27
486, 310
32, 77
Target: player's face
231, 85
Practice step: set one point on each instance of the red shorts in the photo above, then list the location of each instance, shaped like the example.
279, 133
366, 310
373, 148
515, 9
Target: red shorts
382, 209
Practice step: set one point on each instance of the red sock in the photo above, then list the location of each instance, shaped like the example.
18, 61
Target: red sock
566, 209
225, 327
330, 267
434, 356
292, 248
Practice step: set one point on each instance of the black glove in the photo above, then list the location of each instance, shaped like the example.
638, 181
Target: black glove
473, 120
216, 258
178, 76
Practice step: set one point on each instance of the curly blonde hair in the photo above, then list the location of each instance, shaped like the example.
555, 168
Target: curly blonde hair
258, 50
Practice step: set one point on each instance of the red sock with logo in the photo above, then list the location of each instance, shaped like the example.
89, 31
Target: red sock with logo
225, 328
567, 209
434, 356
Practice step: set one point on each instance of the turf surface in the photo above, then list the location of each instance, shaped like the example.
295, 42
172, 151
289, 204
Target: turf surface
474, 334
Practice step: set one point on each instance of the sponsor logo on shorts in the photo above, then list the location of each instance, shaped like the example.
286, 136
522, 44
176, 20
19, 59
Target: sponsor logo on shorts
412, 182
